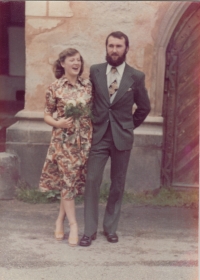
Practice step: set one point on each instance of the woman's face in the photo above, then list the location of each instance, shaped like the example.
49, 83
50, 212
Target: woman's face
72, 65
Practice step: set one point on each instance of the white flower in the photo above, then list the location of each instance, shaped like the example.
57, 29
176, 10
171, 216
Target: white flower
81, 101
71, 102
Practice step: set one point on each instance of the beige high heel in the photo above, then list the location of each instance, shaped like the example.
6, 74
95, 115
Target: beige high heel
73, 238
59, 235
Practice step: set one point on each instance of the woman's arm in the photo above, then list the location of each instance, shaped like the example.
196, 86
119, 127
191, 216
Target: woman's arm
61, 123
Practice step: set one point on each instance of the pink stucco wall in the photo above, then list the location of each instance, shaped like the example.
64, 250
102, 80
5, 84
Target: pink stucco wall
54, 26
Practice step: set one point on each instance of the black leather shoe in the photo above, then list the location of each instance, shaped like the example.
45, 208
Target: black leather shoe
111, 237
87, 240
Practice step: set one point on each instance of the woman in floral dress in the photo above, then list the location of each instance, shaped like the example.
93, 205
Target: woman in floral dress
65, 165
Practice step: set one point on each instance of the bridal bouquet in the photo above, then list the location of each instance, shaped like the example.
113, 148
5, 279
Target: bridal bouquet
77, 108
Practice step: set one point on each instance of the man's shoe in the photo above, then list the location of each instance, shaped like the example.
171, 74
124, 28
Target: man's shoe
87, 240
111, 237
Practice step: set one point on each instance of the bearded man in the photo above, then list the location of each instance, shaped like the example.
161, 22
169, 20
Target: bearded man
116, 88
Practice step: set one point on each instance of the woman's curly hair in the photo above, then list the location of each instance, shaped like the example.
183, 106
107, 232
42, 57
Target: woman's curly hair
57, 67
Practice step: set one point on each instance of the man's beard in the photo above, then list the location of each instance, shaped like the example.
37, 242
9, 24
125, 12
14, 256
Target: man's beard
116, 62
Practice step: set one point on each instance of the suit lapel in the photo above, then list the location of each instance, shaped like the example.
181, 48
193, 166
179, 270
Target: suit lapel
102, 80
126, 82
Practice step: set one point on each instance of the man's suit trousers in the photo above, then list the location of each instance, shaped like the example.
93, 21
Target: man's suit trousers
99, 155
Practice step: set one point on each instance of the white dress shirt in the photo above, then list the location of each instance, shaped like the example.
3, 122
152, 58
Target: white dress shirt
117, 76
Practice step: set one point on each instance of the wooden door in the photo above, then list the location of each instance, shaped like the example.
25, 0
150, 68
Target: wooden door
180, 160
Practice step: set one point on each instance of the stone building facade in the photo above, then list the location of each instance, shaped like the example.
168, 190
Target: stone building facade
50, 27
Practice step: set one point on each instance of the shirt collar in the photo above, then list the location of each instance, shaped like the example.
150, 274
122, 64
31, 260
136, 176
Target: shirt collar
120, 68
64, 80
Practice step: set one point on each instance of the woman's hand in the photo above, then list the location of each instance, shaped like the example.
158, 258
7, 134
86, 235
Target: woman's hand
65, 123
61, 123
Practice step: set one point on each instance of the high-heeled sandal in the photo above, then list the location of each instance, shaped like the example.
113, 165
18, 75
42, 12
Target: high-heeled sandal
59, 235
73, 239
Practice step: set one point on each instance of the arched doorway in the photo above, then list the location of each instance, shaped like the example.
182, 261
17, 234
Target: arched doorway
180, 160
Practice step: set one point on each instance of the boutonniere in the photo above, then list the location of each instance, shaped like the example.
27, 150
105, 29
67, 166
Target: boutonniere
129, 89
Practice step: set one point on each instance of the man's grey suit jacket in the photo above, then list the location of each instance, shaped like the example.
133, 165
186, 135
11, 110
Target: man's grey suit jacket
119, 113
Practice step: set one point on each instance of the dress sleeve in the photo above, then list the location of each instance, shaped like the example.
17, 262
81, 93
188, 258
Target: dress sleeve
89, 91
50, 105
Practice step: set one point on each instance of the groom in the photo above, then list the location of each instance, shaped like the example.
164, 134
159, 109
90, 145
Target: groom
116, 87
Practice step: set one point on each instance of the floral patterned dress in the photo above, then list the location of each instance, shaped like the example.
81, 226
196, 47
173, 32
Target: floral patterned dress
65, 165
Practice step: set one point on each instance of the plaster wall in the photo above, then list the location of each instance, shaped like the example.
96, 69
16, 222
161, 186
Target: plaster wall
54, 26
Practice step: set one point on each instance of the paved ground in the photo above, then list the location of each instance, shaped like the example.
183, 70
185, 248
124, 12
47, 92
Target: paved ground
154, 244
